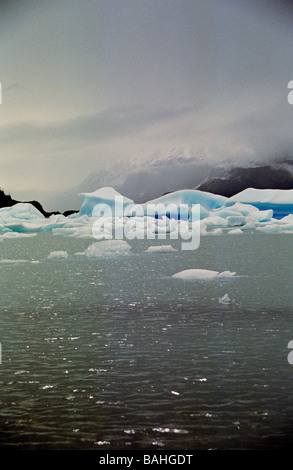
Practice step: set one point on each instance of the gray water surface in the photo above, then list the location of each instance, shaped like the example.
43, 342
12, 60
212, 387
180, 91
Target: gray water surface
114, 353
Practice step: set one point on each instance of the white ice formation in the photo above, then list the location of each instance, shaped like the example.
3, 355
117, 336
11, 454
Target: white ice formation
252, 210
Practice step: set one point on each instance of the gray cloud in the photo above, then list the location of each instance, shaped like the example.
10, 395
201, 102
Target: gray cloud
88, 84
111, 123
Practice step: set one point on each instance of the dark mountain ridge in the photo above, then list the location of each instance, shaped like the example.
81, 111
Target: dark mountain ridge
238, 179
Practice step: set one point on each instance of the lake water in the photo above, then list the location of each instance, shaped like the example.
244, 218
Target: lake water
114, 353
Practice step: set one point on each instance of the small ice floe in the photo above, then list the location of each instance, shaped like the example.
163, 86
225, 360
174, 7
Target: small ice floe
14, 235
217, 231
160, 249
236, 231
13, 261
107, 248
225, 300
202, 274
58, 254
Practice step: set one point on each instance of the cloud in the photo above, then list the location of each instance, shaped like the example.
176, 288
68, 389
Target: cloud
87, 84
111, 123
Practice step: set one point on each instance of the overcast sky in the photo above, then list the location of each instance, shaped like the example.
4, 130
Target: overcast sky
88, 82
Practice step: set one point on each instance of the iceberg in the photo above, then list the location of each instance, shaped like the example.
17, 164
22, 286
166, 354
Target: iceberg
160, 249
13, 261
13, 235
23, 211
58, 254
201, 274
215, 221
216, 231
104, 196
236, 220
107, 248
101, 217
191, 197
77, 227
239, 208
26, 218
235, 231
249, 226
278, 200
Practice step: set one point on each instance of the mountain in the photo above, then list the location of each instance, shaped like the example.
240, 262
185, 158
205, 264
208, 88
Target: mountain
238, 179
143, 182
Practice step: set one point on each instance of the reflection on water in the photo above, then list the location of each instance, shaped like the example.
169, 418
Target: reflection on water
113, 353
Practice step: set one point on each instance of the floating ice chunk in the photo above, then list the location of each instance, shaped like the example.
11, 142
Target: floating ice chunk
217, 231
191, 197
236, 231
54, 221
24, 211
160, 249
58, 254
13, 261
276, 226
11, 234
236, 220
225, 300
25, 227
201, 274
25, 218
275, 196
249, 226
240, 208
279, 200
104, 196
215, 221
269, 228
226, 274
286, 220
262, 216
79, 227
226, 213
107, 248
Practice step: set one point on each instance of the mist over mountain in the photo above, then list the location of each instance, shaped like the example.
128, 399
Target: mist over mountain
178, 171
142, 182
